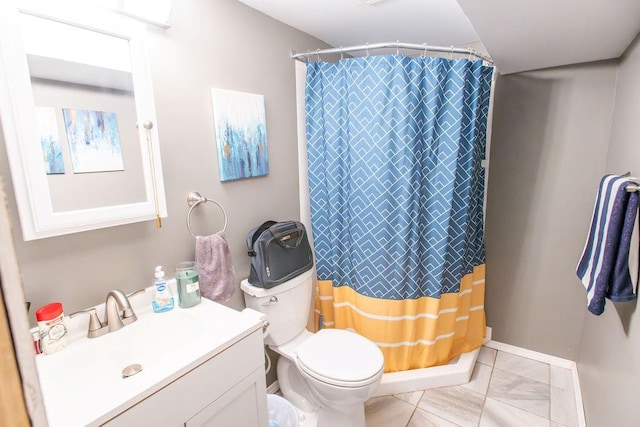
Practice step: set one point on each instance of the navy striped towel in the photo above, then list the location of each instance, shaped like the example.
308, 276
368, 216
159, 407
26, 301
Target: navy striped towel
609, 264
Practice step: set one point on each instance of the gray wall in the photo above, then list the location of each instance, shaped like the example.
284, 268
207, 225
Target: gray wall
555, 133
212, 43
610, 349
548, 150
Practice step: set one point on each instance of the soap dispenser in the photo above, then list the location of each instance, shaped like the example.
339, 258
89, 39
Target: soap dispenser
163, 300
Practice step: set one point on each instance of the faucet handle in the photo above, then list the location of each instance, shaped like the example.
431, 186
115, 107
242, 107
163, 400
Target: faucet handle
96, 327
128, 315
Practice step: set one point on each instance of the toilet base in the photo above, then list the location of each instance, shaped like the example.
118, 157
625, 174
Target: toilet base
311, 411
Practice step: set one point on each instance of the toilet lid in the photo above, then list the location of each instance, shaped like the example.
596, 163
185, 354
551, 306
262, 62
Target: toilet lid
340, 357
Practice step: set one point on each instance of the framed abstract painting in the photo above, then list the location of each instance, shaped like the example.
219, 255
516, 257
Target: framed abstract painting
50, 140
241, 134
94, 140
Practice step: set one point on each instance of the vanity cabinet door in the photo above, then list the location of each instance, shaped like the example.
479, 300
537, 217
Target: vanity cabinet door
243, 405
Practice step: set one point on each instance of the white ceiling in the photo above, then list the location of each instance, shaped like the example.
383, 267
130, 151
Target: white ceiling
519, 34
530, 34
352, 22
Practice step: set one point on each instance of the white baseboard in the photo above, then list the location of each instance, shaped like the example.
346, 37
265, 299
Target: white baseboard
273, 388
551, 360
487, 336
530, 354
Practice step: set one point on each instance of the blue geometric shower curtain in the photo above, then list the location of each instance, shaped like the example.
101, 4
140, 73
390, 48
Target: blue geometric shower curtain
395, 146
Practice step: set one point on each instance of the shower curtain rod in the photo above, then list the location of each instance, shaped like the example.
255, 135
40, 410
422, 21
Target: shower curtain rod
304, 57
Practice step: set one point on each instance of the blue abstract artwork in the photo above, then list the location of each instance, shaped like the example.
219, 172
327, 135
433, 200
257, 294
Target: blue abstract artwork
50, 140
94, 140
241, 133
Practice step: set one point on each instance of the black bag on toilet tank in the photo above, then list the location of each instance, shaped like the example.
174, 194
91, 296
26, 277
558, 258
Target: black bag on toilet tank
279, 251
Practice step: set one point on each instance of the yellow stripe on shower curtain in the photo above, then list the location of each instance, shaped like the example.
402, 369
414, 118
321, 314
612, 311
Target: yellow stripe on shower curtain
415, 333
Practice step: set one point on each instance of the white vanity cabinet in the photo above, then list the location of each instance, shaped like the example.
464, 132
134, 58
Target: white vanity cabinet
201, 366
226, 390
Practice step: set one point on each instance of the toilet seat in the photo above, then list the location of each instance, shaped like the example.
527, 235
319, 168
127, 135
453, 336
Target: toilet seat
341, 358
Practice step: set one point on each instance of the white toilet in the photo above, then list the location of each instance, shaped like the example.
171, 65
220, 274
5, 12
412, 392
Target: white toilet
327, 375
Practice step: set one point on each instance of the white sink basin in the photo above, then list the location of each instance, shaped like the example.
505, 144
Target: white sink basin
83, 383
101, 360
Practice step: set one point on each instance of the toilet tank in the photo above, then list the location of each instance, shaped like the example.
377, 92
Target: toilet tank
286, 305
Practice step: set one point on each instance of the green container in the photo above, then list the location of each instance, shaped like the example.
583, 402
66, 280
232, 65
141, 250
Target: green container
188, 286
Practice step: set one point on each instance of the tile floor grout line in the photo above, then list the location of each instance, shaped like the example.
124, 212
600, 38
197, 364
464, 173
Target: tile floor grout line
527, 411
415, 408
522, 376
486, 394
548, 417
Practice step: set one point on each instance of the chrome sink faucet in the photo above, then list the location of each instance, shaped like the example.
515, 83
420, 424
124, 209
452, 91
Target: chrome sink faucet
117, 314
116, 301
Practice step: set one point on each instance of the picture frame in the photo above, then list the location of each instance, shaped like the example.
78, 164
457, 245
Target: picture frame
241, 134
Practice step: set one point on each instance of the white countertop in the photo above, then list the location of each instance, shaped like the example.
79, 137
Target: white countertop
82, 384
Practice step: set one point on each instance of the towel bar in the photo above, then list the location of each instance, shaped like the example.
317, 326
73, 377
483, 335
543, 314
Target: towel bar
194, 199
631, 188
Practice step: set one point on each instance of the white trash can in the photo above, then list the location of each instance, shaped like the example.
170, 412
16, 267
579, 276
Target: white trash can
281, 412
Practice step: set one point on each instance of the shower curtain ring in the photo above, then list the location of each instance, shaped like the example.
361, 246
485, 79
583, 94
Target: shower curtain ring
397, 47
341, 53
451, 52
367, 49
318, 55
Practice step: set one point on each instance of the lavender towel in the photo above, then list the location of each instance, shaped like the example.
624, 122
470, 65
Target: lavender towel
217, 277
608, 267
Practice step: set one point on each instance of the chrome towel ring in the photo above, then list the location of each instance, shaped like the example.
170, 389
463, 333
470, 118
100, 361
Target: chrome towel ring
195, 199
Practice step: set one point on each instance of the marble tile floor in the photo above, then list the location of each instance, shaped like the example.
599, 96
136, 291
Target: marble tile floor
505, 390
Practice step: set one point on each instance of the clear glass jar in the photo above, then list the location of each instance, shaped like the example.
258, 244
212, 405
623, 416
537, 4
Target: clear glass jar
187, 284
